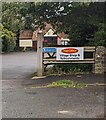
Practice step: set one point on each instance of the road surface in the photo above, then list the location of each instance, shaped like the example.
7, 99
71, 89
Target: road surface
21, 100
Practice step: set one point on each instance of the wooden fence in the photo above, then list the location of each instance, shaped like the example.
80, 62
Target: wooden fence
45, 57
50, 57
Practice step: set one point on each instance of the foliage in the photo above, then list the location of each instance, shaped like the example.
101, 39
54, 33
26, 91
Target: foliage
18, 15
81, 21
63, 69
11, 20
67, 84
82, 34
8, 39
64, 84
72, 68
100, 36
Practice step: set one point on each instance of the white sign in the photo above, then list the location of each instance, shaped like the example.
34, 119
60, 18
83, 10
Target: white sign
25, 43
70, 53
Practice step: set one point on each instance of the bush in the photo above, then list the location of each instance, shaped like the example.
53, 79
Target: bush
73, 68
8, 40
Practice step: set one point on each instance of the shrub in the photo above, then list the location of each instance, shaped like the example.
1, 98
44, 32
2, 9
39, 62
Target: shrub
8, 40
73, 68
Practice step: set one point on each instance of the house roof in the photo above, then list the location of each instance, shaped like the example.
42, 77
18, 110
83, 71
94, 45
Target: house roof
50, 33
48, 29
26, 34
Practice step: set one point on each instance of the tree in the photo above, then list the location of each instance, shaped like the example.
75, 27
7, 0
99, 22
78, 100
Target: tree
80, 21
11, 19
83, 22
18, 16
100, 36
8, 39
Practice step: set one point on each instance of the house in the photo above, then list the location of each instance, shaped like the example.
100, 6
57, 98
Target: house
25, 39
29, 39
50, 38
50, 35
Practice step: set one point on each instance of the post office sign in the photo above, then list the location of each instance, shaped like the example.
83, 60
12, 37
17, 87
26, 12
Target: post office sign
70, 53
49, 50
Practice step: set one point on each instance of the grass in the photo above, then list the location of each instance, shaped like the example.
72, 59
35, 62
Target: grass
67, 84
63, 84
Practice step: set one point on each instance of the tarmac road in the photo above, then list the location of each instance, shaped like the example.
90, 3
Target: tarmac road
21, 100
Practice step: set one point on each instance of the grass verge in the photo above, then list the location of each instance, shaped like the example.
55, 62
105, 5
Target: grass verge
67, 84
63, 84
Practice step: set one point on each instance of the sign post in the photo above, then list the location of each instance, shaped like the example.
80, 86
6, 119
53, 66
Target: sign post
39, 54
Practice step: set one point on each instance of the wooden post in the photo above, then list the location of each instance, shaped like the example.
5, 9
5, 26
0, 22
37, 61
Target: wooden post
93, 66
39, 54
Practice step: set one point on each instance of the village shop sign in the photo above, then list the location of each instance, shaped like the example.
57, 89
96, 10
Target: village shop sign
66, 53
70, 53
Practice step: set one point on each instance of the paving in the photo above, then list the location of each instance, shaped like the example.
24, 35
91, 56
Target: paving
21, 100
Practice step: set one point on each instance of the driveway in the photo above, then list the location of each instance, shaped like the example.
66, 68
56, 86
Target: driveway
21, 100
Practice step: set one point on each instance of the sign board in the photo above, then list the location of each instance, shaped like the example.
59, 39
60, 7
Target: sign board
49, 50
25, 43
70, 53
